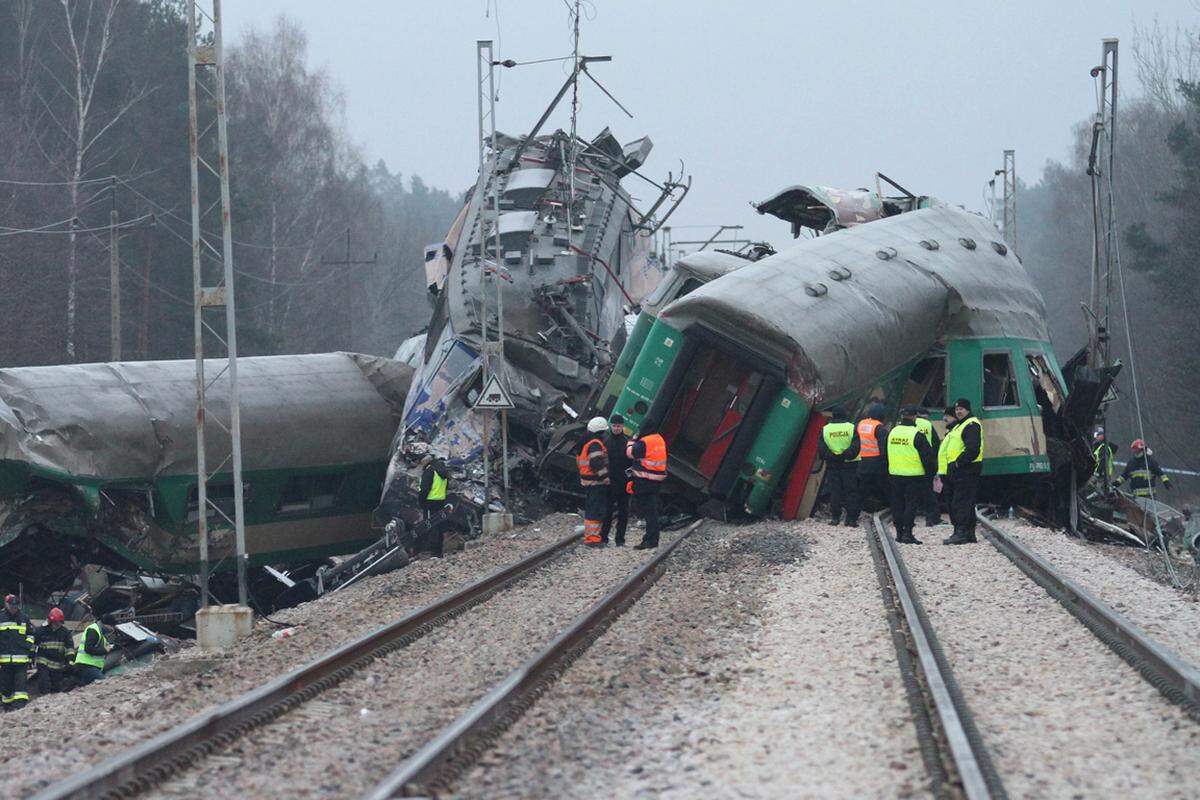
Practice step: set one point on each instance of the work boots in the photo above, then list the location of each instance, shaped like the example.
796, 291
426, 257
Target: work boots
907, 538
961, 537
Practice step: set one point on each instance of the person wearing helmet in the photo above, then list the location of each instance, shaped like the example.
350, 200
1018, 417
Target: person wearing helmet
16, 651
618, 499
55, 651
1142, 471
593, 476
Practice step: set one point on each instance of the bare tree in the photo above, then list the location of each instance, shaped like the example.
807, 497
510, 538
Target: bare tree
1165, 55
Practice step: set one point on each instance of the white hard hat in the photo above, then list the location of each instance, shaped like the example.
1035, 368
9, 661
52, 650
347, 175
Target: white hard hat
597, 425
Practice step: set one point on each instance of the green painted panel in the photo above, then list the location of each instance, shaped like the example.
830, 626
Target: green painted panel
629, 353
649, 371
776, 441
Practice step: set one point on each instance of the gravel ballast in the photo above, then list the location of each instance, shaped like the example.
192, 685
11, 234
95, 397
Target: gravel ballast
356, 733
1167, 615
1061, 715
759, 666
56, 736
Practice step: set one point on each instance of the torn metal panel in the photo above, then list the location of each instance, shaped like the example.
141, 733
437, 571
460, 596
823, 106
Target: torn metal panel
823, 208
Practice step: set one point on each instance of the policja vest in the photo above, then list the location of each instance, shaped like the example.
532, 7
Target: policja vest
868, 445
587, 475
954, 442
87, 659
437, 490
838, 437
903, 458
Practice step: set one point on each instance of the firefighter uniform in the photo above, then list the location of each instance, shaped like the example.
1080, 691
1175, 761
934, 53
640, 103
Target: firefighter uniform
55, 653
1142, 471
89, 659
838, 448
648, 458
872, 471
16, 653
910, 461
933, 514
964, 465
593, 476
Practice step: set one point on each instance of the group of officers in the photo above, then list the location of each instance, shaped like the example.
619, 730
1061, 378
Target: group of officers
907, 466
51, 648
613, 467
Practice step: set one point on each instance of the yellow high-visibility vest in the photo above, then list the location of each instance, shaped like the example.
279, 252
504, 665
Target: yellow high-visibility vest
955, 450
903, 458
838, 436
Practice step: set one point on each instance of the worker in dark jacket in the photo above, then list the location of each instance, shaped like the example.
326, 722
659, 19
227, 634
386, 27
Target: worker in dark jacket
1142, 471
647, 454
593, 477
16, 653
910, 461
435, 480
838, 448
1104, 453
872, 471
933, 514
618, 499
964, 465
89, 658
55, 652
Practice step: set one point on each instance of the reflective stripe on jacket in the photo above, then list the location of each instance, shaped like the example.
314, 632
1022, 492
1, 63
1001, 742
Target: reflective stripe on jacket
16, 638
653, 465
902, 456
589, 474
868, 444
55, 648
86, 658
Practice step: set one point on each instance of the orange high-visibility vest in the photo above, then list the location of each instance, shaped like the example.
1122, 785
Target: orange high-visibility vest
652, 466
868, 445
588, 476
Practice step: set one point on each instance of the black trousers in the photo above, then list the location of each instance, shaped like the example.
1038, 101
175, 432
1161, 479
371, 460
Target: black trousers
50, 680
908, 495
966, 489
618, 507
647, 507
948, 500
933, 513
842, 482
872, 490
14, 693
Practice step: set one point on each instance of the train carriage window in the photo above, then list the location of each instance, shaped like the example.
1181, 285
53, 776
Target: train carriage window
1044, 381
999, 381
926, 386
219, 495
304, 493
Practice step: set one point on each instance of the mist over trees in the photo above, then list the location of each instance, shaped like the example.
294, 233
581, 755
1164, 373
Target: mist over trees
1158, 225
93, 117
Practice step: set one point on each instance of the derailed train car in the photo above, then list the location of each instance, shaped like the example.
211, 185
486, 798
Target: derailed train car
900, 300
98, 463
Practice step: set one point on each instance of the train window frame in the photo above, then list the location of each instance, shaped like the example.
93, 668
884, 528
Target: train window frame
945, 389
1012, 379
1033, 355
226, 496
315, 501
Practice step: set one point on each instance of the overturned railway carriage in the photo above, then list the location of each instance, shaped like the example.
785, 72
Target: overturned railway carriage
923, 306
98, 462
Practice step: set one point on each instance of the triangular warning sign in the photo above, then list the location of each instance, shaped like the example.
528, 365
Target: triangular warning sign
494, 396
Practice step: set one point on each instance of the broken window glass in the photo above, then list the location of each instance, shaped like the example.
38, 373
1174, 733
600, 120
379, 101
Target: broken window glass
1044, 381
926, 385
999, 381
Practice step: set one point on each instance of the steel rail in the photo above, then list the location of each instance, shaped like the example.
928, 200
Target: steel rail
151, 762
462, 742
961, 743
1176, 679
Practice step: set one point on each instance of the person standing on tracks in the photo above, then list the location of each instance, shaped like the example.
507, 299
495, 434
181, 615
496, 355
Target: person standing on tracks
647, 453
941, 483
910, 461
593, 476
435, 481
55, 652
872, 472
933, 514
964, 465
838, 448
16, 652
89, 658
618, 499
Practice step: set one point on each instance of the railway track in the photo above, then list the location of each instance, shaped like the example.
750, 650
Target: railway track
154, 761
955, 754
170, 757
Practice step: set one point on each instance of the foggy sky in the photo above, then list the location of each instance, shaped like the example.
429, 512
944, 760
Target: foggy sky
751, 97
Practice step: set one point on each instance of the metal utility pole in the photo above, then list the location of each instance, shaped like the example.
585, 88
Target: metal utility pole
1010, 198
114, 280
206, 57
1101, 162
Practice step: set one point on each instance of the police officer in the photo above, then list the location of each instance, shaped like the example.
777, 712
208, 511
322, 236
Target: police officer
618, 499
910, 461
964, 463
838, 448
1142, 471
435, 479
933, 514
89, 658
593, 476
647, 454
942, 481
1103, 452
872, 471
55, 652
16, 651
